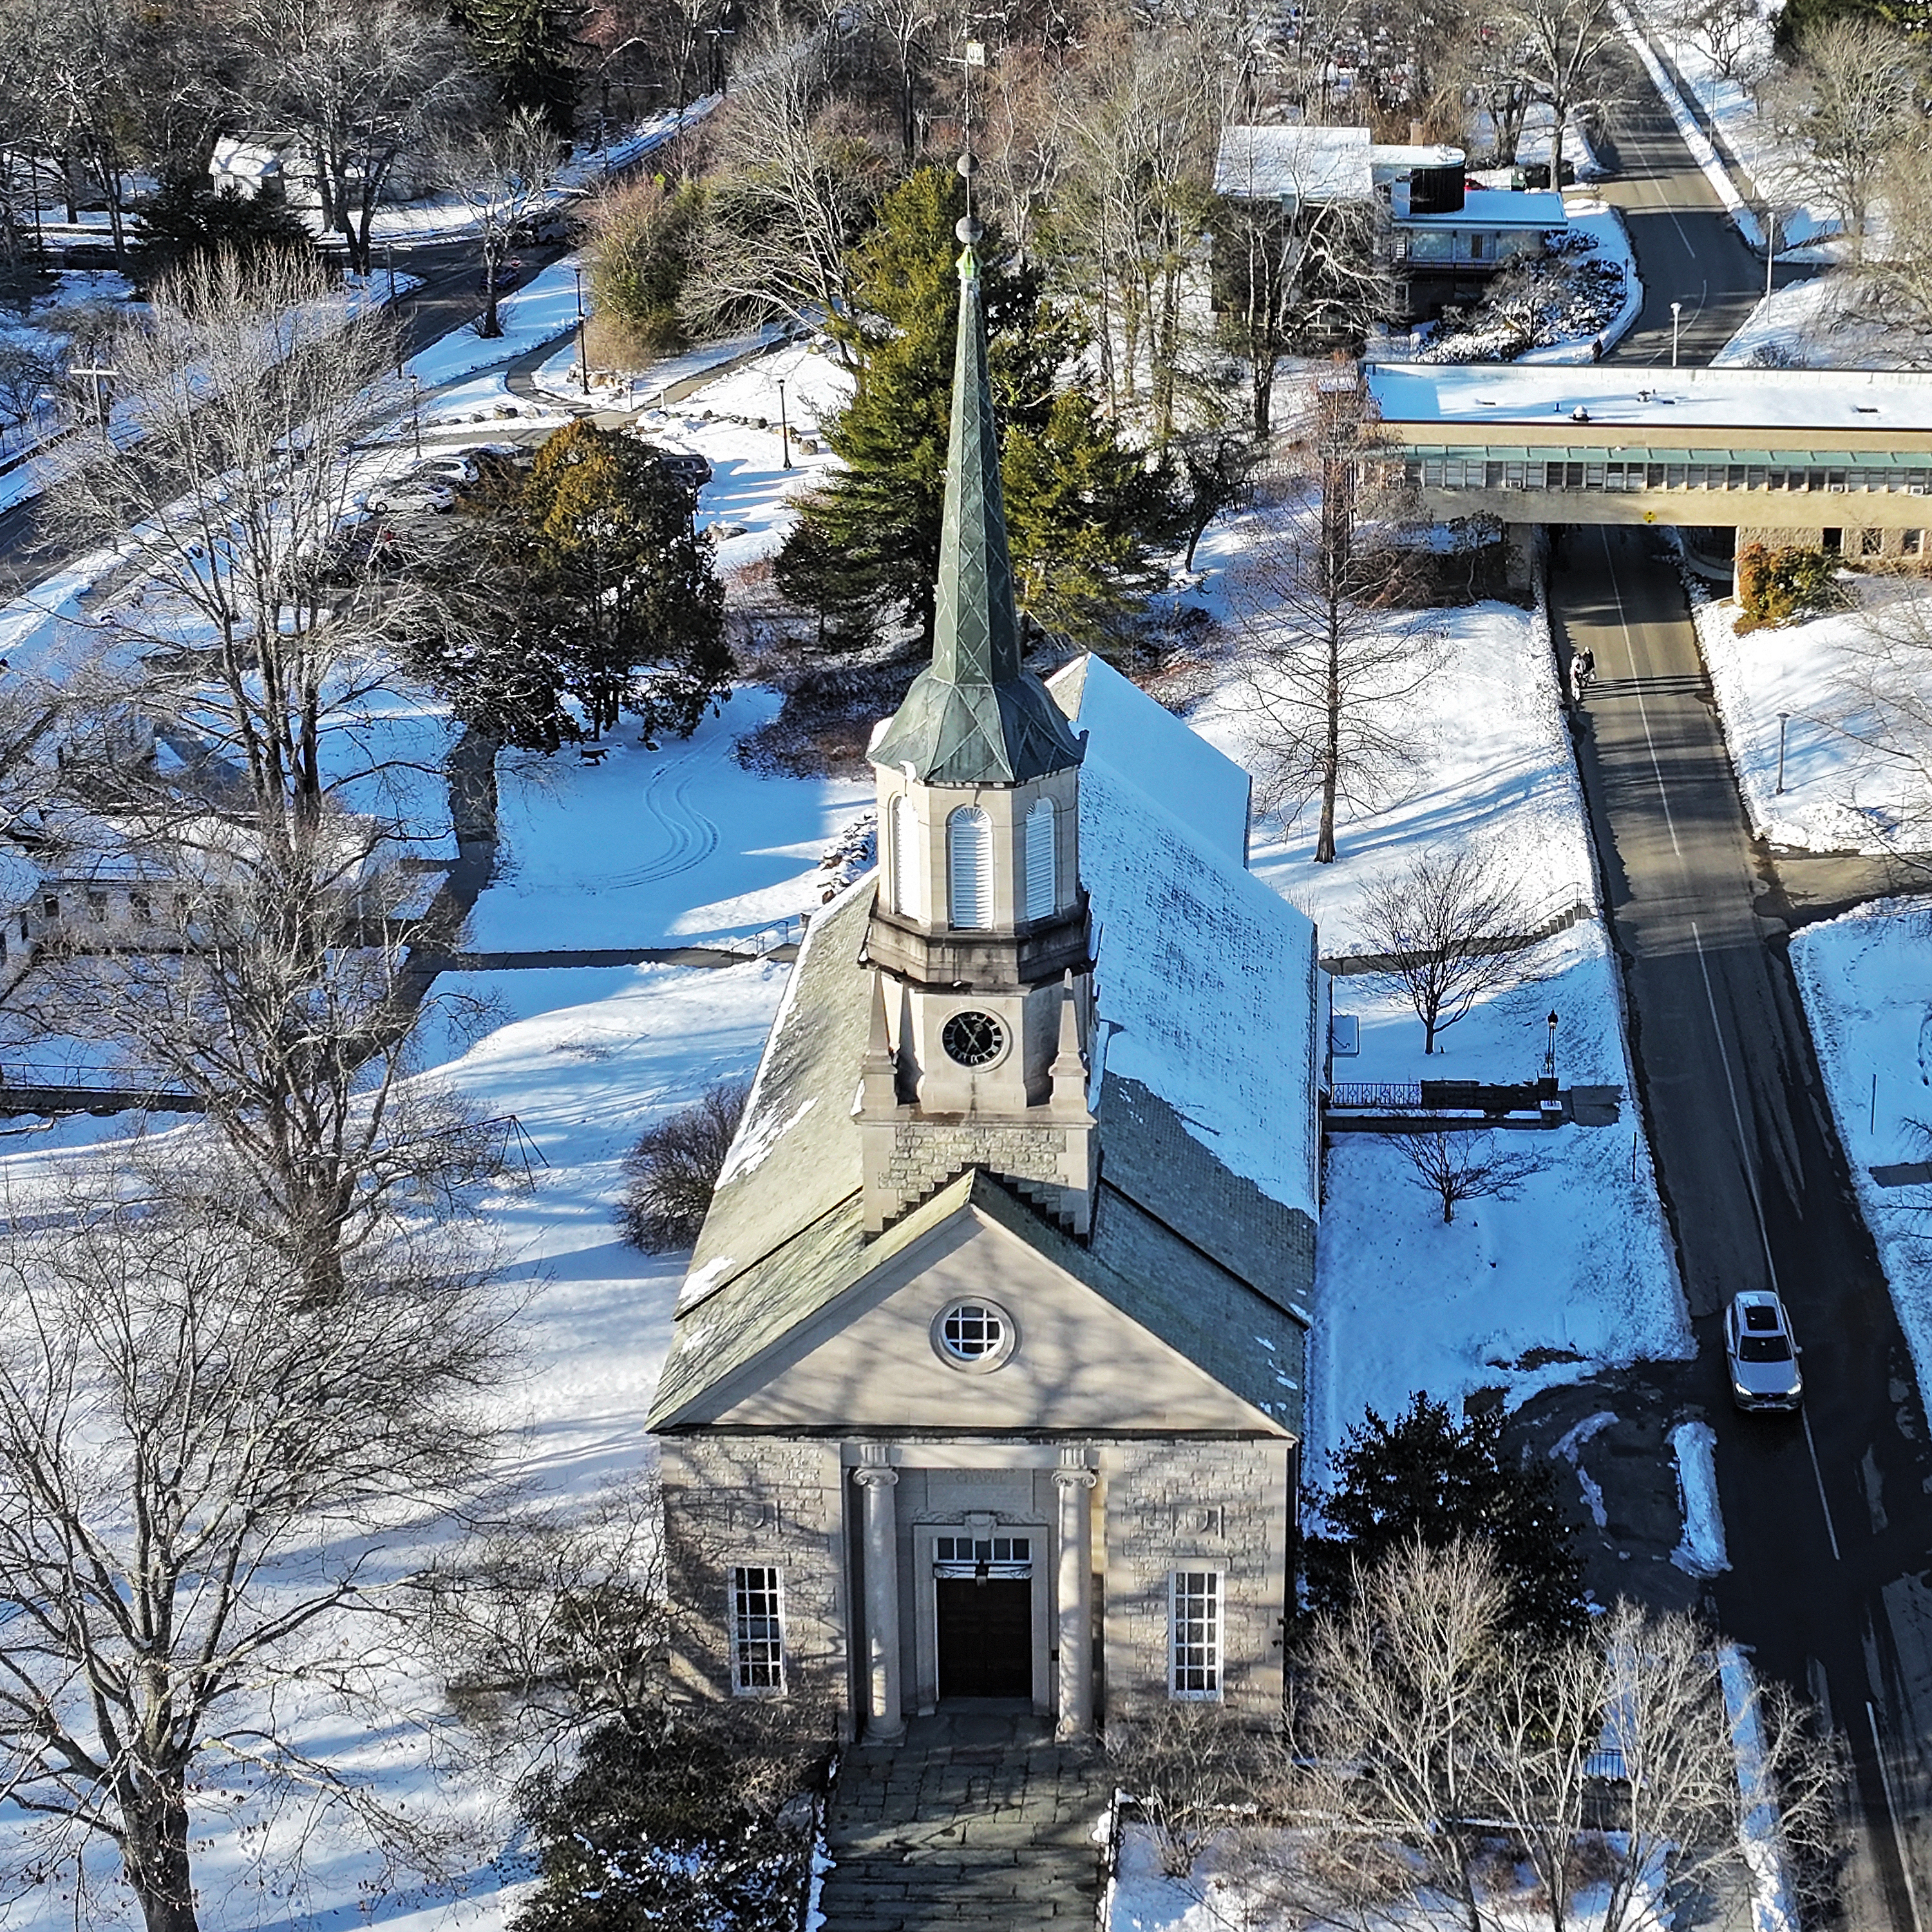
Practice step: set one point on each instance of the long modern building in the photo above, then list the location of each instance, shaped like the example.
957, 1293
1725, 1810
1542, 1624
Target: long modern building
1840, 460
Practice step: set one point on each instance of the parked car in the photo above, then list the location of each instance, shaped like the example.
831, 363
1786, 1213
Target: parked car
687, 465
1762, 1352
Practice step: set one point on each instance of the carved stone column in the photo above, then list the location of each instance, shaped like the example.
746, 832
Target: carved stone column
885, 1720
1073, 1597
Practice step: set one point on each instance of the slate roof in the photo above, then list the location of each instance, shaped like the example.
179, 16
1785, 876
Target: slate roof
1202, 1088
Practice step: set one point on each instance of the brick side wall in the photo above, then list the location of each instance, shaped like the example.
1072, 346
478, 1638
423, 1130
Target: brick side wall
730, 1500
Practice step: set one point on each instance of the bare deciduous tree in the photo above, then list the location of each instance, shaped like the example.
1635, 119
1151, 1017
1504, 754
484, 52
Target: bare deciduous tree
195, 1466
1455, 1167
368, 88
670, 1174
792, 186
502, 175
1451, 928
1570, 55
1849, 103
1891, 283
1332, 665
1432, 1749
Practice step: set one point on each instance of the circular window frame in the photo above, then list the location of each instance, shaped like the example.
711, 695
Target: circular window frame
996, 1058
994, 1358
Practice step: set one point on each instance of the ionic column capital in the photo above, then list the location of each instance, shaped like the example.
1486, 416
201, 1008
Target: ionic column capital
875, 1476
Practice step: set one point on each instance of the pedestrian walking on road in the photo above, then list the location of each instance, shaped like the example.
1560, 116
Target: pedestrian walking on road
1582, 674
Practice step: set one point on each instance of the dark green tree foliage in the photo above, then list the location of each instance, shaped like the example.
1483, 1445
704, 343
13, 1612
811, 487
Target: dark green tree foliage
525, 47
640, 249
867, 545
1080, 506
187, 218
1426, 1475
661, 1827
584, 582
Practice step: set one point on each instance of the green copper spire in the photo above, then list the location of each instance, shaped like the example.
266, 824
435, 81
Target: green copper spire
974, 716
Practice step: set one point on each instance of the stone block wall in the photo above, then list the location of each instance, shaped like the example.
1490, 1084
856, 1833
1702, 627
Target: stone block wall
729, 1500
1207, 1505
908, 1157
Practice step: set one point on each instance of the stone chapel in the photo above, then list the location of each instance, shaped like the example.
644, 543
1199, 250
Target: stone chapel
986, 1378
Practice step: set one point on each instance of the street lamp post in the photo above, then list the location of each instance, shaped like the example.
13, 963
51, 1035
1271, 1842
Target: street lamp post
389, 259
1549, 1058
1783, 720
583, 356
1770, 247
415, 412
1676, 312
785, 427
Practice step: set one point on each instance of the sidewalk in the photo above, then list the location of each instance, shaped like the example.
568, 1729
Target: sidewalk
979, 1818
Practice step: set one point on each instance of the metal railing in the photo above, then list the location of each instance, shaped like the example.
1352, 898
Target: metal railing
1375, 1096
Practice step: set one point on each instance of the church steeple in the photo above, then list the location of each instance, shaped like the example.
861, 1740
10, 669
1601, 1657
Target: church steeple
983, 999
974, 716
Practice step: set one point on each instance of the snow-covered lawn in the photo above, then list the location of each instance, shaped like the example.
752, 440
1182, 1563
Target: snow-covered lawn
653, 848
1867, 983
1578, 1272
1839, 795
540, 311
1808, 325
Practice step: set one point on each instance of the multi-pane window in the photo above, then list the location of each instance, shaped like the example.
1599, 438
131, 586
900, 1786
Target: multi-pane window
982, 1549
757, 1631
1194, 1633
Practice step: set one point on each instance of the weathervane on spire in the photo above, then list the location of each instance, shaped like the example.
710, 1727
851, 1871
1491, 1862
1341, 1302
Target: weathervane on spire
967, 227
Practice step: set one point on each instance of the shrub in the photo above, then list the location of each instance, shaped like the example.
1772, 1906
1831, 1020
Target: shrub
639, 236
1774, 586
670, 1174
698, 1822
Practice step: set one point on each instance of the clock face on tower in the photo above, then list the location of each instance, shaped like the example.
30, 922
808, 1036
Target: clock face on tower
973, 1039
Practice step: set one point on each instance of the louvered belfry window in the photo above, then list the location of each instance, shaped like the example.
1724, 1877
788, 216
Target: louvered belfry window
905, 858
969, 868
1041, 885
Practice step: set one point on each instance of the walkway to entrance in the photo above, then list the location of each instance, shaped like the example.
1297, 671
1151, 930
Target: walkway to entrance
979, 1818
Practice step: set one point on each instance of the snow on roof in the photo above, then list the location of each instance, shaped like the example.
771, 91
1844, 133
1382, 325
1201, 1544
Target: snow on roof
1489, 393
1201, 787
1295, 163
1495, 207
1205, 976
1392, 157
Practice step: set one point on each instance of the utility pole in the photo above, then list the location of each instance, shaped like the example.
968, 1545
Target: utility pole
1770, 247
415, 412
389, 256
100, 397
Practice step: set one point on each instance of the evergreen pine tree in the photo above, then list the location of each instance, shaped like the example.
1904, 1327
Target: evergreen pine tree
525, 47
579, 594
880, 516
1079, 508
187, 218
1425, 1475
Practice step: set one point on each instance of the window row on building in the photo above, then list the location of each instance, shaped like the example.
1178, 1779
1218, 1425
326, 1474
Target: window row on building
1194, 1622
969, 864
1474, 473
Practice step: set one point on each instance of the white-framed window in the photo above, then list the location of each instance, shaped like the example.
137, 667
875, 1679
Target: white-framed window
1194, 1634
969, 868
905, 858
758, 1630
1042, 883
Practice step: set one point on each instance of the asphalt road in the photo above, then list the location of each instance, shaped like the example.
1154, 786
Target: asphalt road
1687, 250
1829, 1517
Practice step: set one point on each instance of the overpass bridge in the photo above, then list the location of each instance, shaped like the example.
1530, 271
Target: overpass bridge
1839, 459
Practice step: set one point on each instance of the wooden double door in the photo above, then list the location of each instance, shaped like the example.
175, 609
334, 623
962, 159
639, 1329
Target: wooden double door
986, 1636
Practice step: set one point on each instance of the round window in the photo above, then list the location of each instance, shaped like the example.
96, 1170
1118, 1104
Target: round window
973, 1039
975, 1336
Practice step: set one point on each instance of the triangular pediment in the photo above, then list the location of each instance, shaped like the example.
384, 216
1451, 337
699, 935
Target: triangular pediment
868, 1361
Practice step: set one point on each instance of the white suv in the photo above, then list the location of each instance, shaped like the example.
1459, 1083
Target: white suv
1762, 1352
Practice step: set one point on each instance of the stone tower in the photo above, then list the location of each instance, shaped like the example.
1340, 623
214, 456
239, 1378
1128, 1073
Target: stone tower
982, 994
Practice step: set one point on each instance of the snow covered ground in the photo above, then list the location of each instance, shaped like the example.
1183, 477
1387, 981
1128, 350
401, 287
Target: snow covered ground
1814, 324
1578, 1272
1866, 980
1798, 681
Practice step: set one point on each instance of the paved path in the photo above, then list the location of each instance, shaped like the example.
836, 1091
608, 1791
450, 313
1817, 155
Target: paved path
1829, 1517
978, 1818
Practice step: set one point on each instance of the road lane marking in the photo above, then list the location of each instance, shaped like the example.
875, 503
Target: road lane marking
1891, 1812
1818, 1476
1636, 685
1757, 1205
